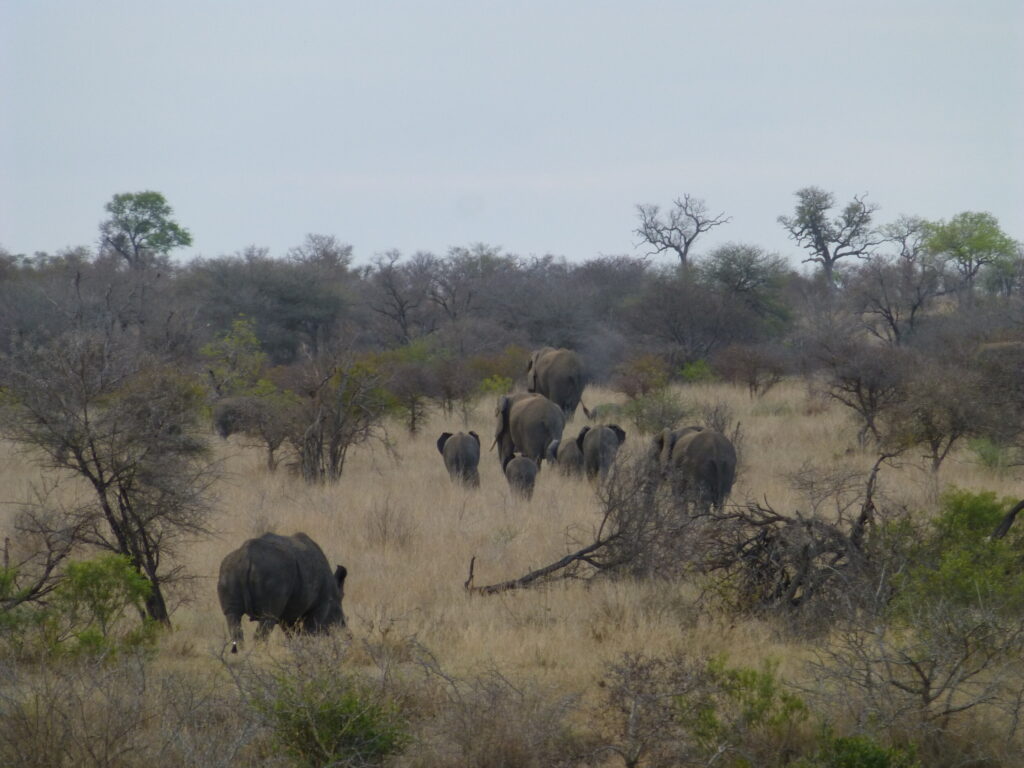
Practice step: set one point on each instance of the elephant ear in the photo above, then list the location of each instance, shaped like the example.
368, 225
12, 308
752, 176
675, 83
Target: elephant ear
531, 373
442, 440
475, 436
502, 413
619, 432
665, 442
552, 452
580, 436
505, 462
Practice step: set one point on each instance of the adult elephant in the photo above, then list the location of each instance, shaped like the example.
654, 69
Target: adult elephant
282, 580
527, 424
700, 464
598, 447
461, 453
560, 376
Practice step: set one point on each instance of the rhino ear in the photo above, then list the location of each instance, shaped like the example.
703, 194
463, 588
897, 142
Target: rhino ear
339, 575
475, 436
442, 440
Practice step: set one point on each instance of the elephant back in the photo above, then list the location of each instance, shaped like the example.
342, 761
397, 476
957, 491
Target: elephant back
534, 422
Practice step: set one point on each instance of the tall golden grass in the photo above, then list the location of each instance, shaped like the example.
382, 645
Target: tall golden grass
406, 534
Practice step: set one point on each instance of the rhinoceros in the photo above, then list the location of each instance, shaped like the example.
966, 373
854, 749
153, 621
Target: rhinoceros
282, 580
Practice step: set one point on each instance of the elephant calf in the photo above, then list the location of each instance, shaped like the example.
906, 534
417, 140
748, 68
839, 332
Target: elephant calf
567, 456
461, 453
521, 473
598, 447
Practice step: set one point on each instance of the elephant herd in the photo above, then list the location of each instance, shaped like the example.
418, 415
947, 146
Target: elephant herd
287, 580
697, 462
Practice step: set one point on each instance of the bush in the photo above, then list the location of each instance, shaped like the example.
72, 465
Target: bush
312, 709
990, 454
697, 372
656, 411
332, 720
960, 564
860, 752
641, 376
85, 614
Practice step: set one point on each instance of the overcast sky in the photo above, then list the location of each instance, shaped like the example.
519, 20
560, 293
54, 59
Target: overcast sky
534, 126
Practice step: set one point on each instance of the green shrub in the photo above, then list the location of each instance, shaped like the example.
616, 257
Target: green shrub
989, 454
656, 411
331, 720
87, 612
747, 712
697, 372
859, 752
958, 564
495, 385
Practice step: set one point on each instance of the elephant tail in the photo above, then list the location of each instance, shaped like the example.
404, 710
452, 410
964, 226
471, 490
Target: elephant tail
586, 411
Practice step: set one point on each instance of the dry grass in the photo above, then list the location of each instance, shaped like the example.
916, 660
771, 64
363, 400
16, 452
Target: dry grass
407, 534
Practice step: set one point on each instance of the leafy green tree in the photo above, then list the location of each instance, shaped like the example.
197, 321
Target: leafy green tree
140, 228
751, 276
970, 241
235, 359
829, 238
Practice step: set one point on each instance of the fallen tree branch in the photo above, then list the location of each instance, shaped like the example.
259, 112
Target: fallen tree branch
580, 555
1004, 525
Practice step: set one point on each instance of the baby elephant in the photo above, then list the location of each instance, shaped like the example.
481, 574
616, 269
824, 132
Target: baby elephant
461, 453
566, 455
599, 445
521, 473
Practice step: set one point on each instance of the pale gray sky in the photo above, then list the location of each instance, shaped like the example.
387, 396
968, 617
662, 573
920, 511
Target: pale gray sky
536, 126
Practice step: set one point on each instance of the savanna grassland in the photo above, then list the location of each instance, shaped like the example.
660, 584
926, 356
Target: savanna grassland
406, 534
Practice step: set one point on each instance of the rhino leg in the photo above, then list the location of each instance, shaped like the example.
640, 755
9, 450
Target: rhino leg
234, 630
265, 628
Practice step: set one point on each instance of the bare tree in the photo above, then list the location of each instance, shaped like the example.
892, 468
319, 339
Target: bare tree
341, 404
677, 230
400, 293
123, 421
830, 239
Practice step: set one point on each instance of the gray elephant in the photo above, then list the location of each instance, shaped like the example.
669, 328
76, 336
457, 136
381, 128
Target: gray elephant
521, 473
527, 424
566, 455
700, 464
282, 580
559, 375
598, 446
461, 453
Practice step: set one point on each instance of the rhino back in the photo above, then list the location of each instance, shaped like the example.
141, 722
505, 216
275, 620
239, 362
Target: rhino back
276, 576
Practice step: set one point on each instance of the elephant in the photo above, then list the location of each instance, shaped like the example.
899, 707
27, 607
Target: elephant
282, 580
560, 376
598, 446
461, 453
566, 455
521, 473
700, 464
527, 423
